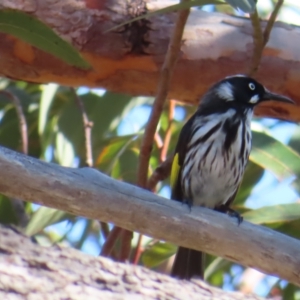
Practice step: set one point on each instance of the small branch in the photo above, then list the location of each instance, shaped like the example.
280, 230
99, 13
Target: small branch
258, 41
260, 38
21, 117
160, 173
87, 125
104, 229
271, 21
126, 237
161, 95
91, 194
167, 139
163, 153
110, 241
138, 250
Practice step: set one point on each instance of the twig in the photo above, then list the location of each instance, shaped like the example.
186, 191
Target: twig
163, 153
110, 241
160, 173
161, 95
87, 125
22, 120
104, 229
158, 141
261, 38
138, 250
258, 41
167, 139
271, 21
126, 237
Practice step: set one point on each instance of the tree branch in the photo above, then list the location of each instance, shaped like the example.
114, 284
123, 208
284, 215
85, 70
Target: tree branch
224, 41
89, 193
24, 275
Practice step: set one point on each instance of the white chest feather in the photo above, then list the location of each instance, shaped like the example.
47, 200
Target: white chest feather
217, 157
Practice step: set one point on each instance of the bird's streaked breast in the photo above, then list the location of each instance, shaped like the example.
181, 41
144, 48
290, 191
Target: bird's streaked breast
217, 154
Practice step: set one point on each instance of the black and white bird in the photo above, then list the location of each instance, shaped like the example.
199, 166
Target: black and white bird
212, 153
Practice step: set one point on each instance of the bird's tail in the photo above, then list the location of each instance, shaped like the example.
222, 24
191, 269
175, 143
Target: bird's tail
188, 263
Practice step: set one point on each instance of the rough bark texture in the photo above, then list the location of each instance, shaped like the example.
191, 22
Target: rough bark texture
128, 60
29, 271
89, 193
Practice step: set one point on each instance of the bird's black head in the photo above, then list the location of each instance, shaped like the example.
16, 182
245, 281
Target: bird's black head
241, 91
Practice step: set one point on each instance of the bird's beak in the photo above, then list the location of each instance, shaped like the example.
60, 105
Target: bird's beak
276, 97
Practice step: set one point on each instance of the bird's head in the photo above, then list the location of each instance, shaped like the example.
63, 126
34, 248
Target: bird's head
241, 91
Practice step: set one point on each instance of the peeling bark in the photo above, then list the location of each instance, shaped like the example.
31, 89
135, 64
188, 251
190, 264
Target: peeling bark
128, 60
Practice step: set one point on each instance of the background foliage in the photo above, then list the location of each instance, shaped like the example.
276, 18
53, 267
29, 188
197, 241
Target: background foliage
56, 133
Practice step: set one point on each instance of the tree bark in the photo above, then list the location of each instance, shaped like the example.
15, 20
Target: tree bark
128, 60
29, 271
89, 193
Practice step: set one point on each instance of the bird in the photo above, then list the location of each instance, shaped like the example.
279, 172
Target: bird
212, 153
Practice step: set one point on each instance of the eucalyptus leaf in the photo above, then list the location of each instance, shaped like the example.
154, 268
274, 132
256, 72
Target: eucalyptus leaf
274, 214
47, 98
274, 156
157, 253
169, 9
31, 30
44, 217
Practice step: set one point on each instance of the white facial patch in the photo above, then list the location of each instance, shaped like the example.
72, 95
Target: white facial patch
225, 91
254, 99
237, 75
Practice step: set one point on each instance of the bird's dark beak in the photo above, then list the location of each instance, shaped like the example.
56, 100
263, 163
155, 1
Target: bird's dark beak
276, 97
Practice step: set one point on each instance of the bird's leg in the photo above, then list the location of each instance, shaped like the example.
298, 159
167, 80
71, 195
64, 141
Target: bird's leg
232, 213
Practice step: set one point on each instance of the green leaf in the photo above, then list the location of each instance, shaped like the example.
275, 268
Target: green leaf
37, 34
44, 217
247, 6
156, 254
218, 264
114, 148
274, 214
274, 156
168, 9
252, 175
64, 151
47, 98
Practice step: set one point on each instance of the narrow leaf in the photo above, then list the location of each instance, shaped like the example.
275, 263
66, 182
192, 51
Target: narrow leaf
46, 100
39, 35
168, 9
44, 217
274, 156
274, 214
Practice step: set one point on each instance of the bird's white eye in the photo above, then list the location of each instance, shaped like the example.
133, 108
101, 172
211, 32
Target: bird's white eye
252, 86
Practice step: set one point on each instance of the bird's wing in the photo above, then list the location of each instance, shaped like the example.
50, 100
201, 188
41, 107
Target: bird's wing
179, 156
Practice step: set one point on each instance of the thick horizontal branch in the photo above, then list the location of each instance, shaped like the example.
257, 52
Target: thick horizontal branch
24, 274
128, 60
89, 193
